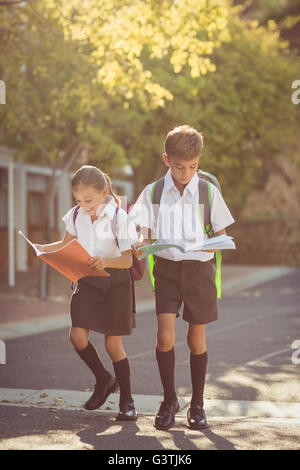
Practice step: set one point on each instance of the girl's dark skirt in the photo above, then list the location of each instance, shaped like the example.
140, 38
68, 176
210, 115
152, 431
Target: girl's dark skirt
105, 304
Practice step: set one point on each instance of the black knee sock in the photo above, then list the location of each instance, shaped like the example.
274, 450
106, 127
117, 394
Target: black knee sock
166, 365
90, 356
122, 371
198, 364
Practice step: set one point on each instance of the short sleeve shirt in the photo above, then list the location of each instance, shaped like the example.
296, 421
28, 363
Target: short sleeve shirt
97, 237
178, 217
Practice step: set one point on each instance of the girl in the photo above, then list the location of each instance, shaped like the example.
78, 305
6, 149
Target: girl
103, 304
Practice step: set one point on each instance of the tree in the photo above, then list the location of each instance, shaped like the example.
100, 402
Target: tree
69, 67
244, 110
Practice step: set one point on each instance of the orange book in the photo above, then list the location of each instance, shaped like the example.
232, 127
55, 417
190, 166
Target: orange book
70, 260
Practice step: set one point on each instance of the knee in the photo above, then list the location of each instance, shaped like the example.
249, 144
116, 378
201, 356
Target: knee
165, 340
114, 348
196, 344
79, 339
113, 344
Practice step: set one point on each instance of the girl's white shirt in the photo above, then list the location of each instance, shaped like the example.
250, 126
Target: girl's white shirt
97, 237
178, 218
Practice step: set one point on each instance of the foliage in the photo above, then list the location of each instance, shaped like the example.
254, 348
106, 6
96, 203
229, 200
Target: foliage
112, 77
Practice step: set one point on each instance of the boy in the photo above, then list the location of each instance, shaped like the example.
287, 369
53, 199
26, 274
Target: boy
182, 277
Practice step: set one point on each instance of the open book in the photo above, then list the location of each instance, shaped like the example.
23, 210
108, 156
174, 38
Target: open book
221, 242
70, 260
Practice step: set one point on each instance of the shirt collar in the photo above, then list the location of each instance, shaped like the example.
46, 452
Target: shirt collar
192, 186
110, 208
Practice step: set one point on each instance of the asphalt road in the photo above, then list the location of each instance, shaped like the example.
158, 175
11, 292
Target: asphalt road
249, 358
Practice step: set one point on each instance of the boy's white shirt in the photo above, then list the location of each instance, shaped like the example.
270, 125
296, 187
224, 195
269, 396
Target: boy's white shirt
178, 220
97, 237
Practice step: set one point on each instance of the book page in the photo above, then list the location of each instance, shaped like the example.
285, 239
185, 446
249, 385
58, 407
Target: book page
37, 252
221, 242
70, 260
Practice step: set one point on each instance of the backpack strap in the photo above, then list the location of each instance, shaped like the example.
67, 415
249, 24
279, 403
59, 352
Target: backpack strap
204, 209
75, 214
210, 178
204, 206
156, 192
114, 224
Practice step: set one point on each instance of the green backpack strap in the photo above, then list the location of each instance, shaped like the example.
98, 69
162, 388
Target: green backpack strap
156, 192
210, 178
204, 216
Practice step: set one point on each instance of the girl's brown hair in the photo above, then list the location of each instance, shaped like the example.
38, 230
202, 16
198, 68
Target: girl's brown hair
89, 175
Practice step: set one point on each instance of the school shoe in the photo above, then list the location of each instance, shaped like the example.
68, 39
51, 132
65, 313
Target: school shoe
196, 417
165, 417
127, 412
101, 392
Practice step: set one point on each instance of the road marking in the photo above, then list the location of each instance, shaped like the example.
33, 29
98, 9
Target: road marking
145, 404
19, 329
221, 330
267, 356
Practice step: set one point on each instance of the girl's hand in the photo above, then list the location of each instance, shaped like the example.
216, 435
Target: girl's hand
137, 245
96, 263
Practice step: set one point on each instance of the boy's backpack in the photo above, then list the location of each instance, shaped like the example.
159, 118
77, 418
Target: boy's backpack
138, 266
205, 180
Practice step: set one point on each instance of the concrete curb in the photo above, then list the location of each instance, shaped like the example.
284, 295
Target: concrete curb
51, 323
146, 404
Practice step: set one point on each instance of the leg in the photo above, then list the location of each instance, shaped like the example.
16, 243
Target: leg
165, 353
105, 383
165, 356
198, 365
196, 339
198, 361
79, 337
115, 349
165, 331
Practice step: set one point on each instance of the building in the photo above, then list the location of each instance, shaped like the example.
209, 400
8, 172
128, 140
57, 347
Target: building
23, 193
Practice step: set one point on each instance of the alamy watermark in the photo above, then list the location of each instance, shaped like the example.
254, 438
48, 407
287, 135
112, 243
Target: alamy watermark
295, 98
164, 219
2, 92
2, 352
296, 354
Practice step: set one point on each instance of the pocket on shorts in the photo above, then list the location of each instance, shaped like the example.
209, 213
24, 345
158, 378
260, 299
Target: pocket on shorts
160, 268
209, 276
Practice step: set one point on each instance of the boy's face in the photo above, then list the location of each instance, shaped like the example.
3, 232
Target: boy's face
182, 170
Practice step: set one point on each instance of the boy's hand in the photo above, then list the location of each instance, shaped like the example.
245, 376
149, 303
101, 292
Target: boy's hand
96, 263
137, 245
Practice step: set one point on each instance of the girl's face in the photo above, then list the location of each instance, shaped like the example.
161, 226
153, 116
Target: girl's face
182, 170
89, 198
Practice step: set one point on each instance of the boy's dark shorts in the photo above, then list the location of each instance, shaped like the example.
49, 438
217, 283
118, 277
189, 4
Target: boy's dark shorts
191, 282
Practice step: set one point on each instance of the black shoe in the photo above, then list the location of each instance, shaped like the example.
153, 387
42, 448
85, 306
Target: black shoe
196, 417
165, 417
127, 412
101, 392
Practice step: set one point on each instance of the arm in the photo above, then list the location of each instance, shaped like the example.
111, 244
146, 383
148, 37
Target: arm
220, 232
145, 240
56, 245
120, 262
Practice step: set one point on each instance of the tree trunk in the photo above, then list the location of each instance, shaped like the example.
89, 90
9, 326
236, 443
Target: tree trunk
50, 197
